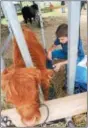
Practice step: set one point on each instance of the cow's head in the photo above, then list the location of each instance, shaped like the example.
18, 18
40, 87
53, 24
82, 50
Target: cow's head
21, 88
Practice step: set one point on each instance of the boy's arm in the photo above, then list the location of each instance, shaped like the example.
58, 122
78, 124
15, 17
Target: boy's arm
64, 62
56, 43
49, 54
58, 65
52, 48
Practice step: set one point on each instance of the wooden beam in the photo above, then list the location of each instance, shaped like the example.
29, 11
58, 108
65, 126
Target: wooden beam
59, 108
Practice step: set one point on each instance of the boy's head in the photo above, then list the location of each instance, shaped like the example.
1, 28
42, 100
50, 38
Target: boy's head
62, 33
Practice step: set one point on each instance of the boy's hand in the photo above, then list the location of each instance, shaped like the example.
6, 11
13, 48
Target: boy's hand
49, 56
57, 66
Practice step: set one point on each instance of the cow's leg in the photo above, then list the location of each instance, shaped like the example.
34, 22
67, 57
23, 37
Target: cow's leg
34, 18
25, 19
30, 19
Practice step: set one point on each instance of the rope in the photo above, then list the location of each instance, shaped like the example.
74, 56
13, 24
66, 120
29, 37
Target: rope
44, 122
47, 113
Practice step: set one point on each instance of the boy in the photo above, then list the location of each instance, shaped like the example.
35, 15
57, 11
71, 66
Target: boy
62, 39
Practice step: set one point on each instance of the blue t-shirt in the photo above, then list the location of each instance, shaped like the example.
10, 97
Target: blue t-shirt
65, 48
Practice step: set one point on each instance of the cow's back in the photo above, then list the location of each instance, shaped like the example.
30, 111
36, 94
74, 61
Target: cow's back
25, 10
35, 48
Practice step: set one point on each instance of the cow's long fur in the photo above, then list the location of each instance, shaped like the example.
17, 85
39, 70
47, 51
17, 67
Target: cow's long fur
21, 84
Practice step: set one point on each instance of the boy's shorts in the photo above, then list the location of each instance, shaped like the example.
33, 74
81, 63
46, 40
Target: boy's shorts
59, 54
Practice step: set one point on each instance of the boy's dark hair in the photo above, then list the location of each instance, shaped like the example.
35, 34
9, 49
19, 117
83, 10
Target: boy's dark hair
62, 31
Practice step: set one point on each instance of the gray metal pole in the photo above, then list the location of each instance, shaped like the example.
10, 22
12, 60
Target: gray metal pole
73, 36
70, 123
5, 14
2, 67
42, 26
21, 4
7, 41
5, 44
13, 20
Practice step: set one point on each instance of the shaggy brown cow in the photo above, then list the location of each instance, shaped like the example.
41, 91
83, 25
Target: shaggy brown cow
21, 84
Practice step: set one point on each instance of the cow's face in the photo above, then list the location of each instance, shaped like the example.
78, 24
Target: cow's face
35, 6
21, 88
29, 113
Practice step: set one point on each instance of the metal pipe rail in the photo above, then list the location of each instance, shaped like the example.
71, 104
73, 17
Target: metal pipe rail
9, 8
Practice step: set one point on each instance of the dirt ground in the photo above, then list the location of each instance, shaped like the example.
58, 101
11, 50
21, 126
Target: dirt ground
50, 25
